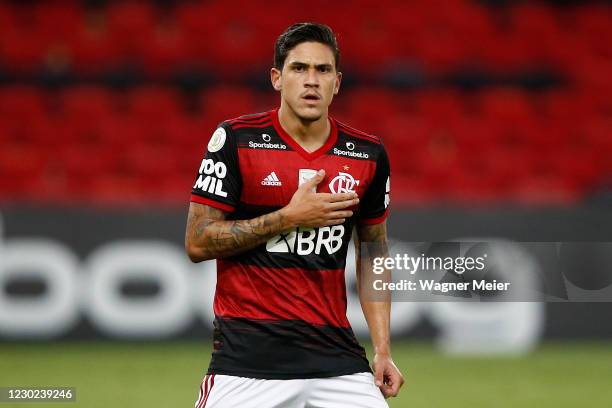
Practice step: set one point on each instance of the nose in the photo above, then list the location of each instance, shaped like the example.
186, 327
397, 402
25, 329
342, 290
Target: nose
312, 78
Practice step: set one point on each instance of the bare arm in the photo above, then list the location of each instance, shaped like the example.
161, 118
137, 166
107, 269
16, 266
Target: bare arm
377, 312
209, 235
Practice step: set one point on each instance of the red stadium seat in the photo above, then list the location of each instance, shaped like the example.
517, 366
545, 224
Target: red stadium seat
94, 50
564, 106
22, 168
154, 103
593, 25
187, 133
222, 103
242, 42
151, 162
441, 105
130, 25
22, 51
506, 105
475, 135
167, 50
537, 29
370, 107
403, 133
112, 132
366, 38
58, 22
85, 104
21, 103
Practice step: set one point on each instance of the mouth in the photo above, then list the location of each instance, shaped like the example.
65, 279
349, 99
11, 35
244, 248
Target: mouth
311, 98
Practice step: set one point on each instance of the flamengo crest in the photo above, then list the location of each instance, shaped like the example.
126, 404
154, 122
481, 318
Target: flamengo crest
343, 183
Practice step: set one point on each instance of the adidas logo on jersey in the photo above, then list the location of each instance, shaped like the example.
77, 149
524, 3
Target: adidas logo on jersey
271, 180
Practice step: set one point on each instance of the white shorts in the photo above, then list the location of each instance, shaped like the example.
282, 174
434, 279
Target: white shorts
347, 391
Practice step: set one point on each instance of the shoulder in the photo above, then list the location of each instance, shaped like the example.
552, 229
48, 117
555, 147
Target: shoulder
230, 130
252, 120
356, 140
350, 132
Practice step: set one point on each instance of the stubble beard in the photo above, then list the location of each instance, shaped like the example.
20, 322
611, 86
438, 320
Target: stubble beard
307, 117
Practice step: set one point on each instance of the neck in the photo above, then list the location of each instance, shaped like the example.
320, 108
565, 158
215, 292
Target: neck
309, 134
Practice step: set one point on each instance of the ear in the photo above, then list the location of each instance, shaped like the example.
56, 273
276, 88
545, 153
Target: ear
337, 84
275, 78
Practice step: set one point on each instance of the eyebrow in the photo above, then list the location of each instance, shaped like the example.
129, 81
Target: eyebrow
298, 64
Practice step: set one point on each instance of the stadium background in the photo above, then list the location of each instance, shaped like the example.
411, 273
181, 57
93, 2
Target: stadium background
497, 116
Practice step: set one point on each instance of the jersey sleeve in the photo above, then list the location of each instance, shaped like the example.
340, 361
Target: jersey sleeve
374, 206
218, 182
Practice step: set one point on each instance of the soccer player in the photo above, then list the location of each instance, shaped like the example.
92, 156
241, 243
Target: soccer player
276, 200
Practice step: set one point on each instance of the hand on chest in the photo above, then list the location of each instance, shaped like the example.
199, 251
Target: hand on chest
272, 178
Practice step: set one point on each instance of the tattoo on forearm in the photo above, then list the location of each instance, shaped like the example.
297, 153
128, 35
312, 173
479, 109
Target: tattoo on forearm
210, 233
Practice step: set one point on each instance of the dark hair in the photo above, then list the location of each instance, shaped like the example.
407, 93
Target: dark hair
304, 32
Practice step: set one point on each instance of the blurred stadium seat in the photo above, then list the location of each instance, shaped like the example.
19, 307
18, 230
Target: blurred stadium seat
531, 125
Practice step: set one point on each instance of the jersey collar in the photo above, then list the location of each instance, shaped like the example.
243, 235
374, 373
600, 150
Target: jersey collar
331, 139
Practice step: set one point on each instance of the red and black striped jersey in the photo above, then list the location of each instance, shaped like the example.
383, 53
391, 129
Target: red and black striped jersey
280, 308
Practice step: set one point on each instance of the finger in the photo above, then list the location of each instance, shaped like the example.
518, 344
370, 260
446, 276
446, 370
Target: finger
341, 197
394, 383
340, 214
395, 387
338, 205
378, 378
388, 389
314, 181
392, 389
396, 377
388, 392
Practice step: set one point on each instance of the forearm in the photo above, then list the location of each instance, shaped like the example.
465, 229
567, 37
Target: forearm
376, 306
377, 315
209, 238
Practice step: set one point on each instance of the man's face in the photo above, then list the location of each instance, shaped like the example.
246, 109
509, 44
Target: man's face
308, 81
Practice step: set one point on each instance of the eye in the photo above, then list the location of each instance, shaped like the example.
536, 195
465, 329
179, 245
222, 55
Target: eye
324, 69
298, 68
